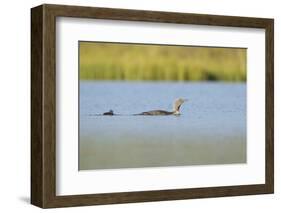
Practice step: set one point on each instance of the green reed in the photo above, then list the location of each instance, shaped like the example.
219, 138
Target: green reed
109, 61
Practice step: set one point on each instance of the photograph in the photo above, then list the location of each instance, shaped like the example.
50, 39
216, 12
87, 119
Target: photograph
159, 105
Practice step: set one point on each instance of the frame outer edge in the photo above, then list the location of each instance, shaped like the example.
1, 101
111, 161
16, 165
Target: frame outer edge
49, 107
156, 16
37, 188
270, 106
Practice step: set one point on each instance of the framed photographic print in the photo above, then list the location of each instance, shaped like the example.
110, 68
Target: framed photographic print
135, 106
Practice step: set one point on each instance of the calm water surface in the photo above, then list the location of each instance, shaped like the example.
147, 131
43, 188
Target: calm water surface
210, 130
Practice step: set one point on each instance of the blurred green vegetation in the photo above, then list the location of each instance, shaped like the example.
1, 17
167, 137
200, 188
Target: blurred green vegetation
113, 61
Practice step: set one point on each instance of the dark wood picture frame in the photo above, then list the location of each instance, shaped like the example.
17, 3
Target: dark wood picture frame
43, 105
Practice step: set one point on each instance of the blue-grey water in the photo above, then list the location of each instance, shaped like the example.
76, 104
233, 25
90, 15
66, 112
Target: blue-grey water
210, 130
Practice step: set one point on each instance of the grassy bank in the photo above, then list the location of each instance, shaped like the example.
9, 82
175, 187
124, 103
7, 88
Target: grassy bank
108, 61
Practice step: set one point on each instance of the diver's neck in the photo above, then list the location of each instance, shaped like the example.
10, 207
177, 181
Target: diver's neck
176, 112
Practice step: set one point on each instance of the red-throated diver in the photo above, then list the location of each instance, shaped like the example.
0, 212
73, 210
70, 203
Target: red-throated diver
176, 109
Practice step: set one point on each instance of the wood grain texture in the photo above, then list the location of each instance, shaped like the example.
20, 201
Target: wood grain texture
43, 105
269, 117
36, 106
